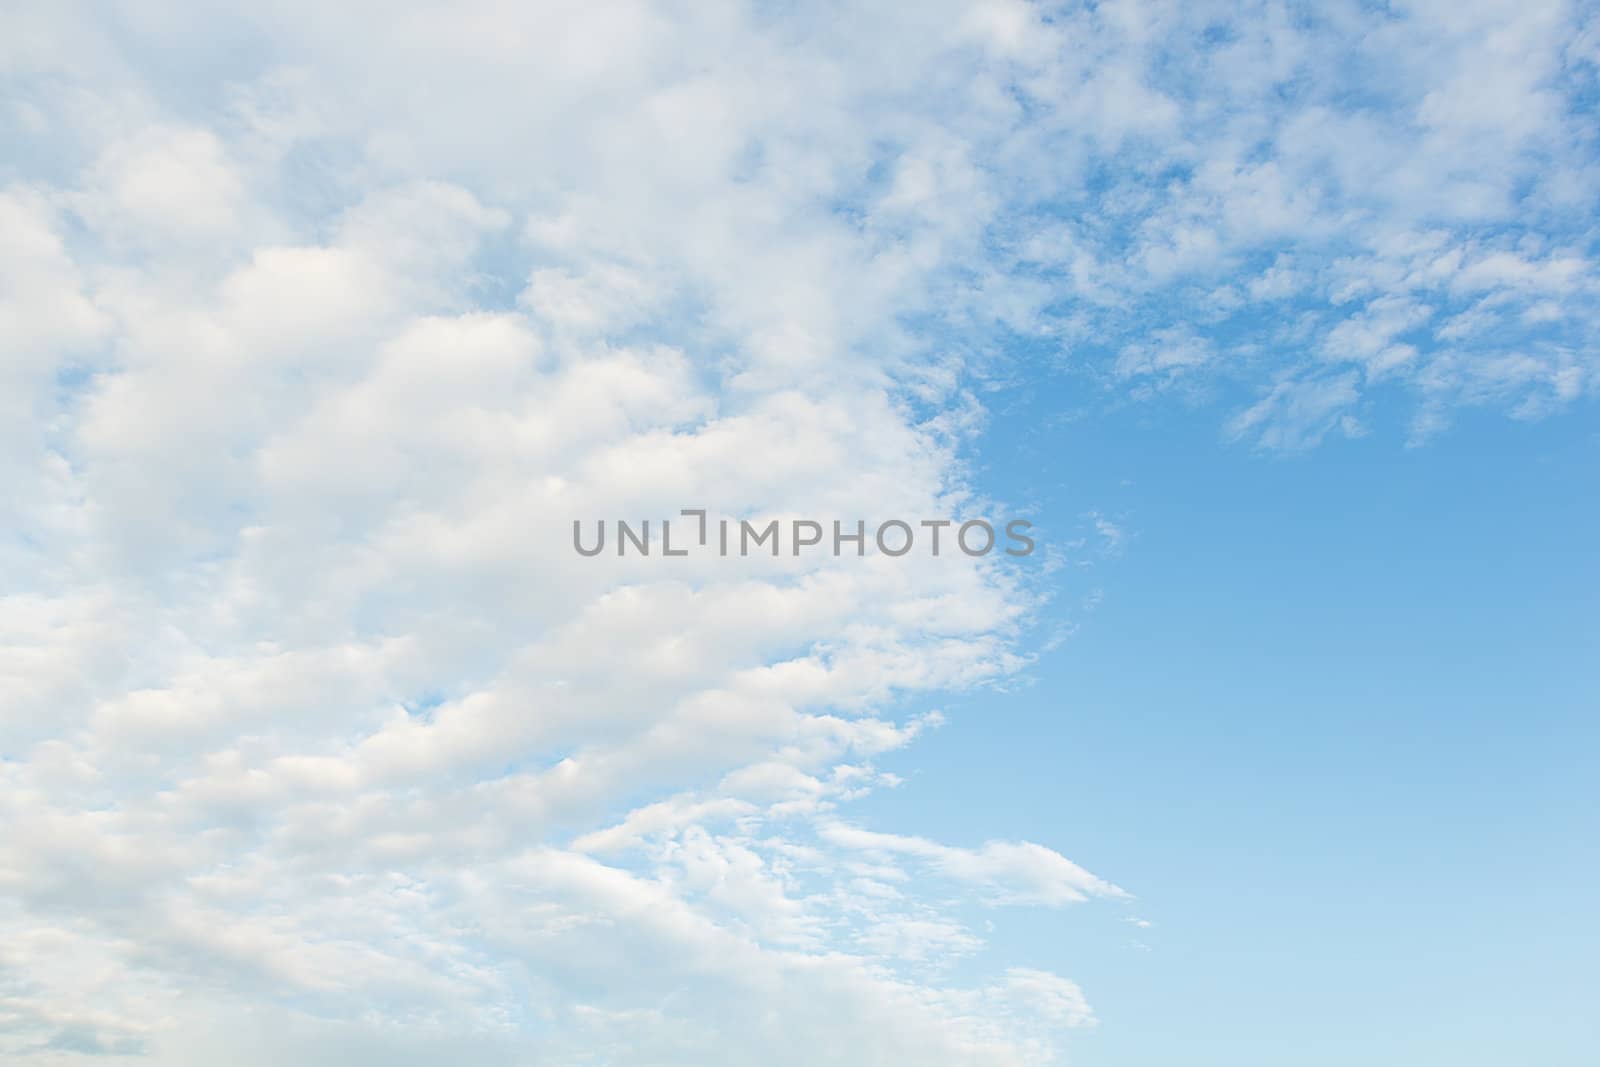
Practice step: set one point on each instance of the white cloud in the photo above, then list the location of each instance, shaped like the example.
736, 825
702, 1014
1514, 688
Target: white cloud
321, 324
314, 715
1015, 870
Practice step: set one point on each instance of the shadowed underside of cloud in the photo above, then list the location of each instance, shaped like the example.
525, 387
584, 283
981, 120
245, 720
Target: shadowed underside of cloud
320, 326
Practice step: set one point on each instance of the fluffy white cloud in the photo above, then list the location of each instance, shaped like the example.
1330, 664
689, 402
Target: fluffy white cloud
321, 323
320, 741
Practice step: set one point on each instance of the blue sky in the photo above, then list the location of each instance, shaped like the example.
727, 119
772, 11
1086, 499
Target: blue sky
321, 324
1337, 712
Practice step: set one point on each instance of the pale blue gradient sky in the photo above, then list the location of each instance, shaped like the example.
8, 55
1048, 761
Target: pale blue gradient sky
1335, 722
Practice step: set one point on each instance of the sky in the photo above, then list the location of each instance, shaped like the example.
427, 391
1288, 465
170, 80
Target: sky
320, 325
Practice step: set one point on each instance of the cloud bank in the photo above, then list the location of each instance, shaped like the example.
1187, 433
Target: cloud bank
321, 323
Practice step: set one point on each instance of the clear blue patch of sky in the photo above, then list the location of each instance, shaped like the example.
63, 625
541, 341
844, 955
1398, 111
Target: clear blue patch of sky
1335, 723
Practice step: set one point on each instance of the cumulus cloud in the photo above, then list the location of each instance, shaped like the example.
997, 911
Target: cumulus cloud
322, 323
